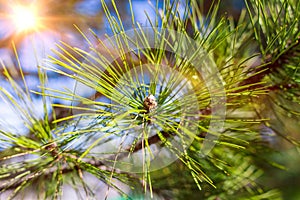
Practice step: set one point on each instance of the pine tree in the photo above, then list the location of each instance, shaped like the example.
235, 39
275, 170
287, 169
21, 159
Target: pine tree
192, 106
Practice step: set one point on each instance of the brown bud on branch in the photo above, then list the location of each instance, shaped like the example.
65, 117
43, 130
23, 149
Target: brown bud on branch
150, 103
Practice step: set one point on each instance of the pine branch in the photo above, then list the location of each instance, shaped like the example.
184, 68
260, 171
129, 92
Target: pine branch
62, 143
71, 162
270, 66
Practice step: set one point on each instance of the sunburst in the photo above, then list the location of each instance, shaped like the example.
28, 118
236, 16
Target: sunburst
43, 18
24, 18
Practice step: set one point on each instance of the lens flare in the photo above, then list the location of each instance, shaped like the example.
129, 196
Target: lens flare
24, 18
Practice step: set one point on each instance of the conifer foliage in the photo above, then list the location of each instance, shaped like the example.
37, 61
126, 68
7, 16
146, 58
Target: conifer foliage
193, 106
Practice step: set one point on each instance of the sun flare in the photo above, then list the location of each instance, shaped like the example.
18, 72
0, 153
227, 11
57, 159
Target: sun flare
24, 18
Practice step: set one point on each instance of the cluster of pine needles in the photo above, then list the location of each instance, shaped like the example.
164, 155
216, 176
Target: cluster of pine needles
141, 131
